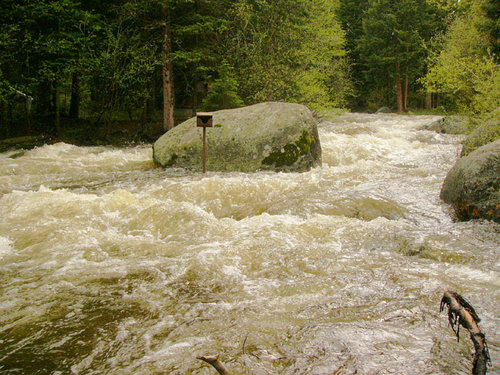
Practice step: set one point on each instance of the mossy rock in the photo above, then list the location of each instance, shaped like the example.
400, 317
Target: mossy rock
268, 136
472, 186
451, 125
487, 130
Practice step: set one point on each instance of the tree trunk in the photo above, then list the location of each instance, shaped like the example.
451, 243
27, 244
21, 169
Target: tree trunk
406, 81
44, 98
58, 110
74, 105
270, 94
399, 89
29, 100
168, 77
428, 100
406, 91
154, 103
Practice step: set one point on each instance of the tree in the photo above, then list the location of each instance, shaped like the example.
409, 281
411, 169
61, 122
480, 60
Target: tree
223, 92
42, 43
392, 44
287, 50
350, 15
491, 25
263, 45
323, 78
183, 34
465, 67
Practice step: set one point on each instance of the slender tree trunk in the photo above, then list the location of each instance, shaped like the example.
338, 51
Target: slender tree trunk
5, 124
74, 105
28, 115
153, 106
406, 80
270, 94
44, 98
399, 88
58, 110
168, 77
428, 100
406, 91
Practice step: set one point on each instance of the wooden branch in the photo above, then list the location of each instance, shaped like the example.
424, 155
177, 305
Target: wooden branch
461, 313
216, 363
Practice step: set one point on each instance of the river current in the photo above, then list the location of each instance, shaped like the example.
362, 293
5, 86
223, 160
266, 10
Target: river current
109, 265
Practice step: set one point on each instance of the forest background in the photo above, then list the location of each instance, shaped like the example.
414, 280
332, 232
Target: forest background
79, 70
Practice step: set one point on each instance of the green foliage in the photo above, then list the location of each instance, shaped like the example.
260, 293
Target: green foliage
465, 67
223, 92
323, 53
287, 50
392, 45
263, 45
386, 41
324, 79
491, 25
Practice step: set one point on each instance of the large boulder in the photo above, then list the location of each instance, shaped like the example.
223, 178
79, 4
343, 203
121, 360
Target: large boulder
450, 125
487, 130
472, 186
268, 136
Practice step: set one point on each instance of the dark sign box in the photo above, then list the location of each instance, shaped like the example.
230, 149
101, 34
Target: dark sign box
204, 119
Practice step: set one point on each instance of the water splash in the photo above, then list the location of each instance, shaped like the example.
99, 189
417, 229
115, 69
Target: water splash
110, 265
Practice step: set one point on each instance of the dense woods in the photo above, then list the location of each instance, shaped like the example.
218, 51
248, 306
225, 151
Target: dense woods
67, 64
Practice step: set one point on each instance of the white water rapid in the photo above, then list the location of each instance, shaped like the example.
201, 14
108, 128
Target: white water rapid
109, 265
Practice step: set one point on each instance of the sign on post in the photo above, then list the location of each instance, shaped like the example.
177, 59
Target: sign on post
204, 120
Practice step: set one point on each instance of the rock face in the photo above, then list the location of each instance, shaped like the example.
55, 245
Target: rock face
267, 136
472, 186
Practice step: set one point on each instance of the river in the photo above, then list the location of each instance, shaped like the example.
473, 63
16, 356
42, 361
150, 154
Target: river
109, 265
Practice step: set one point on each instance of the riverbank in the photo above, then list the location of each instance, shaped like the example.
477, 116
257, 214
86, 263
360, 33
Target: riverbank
84, 133
479, 130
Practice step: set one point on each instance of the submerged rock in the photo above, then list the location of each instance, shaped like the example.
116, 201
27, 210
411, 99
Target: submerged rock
384, 110
268, 136
472, 186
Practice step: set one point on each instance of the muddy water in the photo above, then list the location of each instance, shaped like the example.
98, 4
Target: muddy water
109, 265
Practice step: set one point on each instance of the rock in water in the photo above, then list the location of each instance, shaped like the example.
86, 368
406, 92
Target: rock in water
268, 136
450, 125
472, 186
384, 110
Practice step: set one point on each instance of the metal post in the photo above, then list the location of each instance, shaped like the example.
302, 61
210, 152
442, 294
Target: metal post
204, 120
204, 149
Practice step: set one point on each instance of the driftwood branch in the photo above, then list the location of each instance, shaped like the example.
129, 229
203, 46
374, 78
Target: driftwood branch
461, 313
216, 363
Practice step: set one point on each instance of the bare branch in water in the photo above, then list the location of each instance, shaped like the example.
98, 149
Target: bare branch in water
216, 363
461, 313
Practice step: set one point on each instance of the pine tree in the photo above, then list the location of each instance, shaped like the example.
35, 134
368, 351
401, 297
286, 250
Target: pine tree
392, 44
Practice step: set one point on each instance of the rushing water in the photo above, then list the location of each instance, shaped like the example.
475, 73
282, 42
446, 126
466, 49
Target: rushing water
109, 265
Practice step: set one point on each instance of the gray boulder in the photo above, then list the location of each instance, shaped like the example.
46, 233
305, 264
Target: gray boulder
268, 136
384, 110
450, 125
487, 130
472, 186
